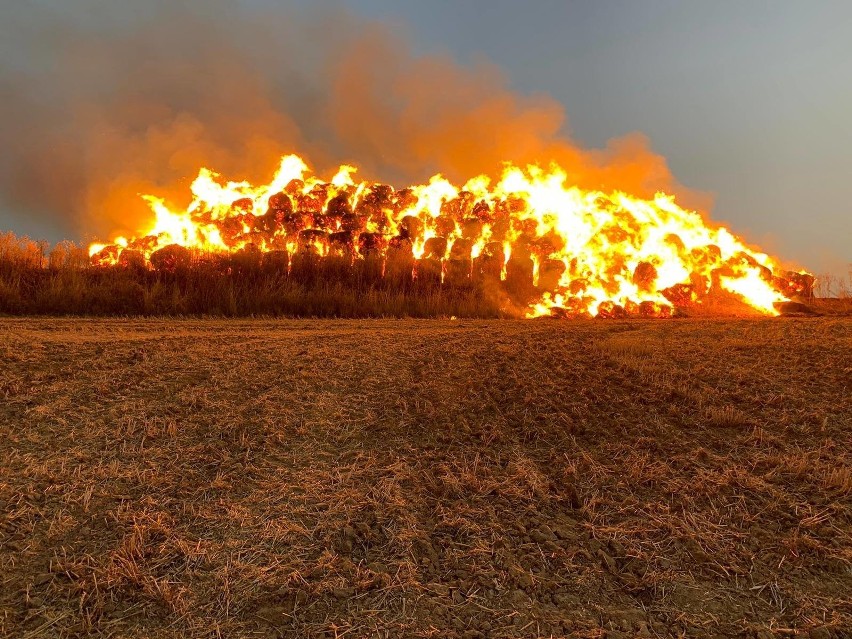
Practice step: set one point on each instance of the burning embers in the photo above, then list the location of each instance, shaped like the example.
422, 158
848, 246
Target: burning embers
554, 248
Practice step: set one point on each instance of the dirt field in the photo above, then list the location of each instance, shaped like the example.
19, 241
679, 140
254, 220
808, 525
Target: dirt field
426, 478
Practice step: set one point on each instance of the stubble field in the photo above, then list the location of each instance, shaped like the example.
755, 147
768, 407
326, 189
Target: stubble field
206, 478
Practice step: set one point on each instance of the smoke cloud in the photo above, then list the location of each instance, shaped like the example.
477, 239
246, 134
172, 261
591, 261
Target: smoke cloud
101, 104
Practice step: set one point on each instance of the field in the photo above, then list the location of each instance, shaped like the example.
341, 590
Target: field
389, 478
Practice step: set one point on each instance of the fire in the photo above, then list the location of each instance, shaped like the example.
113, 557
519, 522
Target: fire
557, 249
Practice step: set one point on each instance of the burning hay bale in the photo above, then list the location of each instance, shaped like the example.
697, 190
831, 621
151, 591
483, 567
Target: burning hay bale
523, 238
341, 244
280, 202
611, 310
312, 241
132, 259
106, 256
171, 259
429, 271
460, 264
371, 245
550, 274
680, 295
796, 285
488, 266
520, 272
645, 277
399, 262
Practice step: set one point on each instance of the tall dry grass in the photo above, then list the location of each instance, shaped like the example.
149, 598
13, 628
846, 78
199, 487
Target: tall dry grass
37, 281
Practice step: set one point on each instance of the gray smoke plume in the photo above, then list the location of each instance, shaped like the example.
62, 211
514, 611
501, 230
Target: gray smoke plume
103, 103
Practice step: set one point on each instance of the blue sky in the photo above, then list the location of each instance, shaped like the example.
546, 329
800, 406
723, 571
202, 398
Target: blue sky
748, 100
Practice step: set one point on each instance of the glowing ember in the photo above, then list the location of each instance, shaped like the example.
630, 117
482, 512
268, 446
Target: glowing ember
568, 251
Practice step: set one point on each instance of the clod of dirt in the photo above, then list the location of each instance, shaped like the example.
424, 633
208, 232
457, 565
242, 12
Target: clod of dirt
607, 561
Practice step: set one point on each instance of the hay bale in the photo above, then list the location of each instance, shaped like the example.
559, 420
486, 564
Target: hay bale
294, 187
171, 259
488, 266
800, 285
471, 228
680, 295
526, 228
428, 271
404, 200
645, 277
650, 309
482, 211
294, 223
716, 276
324, 222
550, 273
547, 245
458, 271
338, 206
675, 240
280, 202
435, 248
341, 243
352, 223
610, 310
400, 246
382, 194
500, 229
571, 309
309, 204
706, 256
371, 244
373, 204
766, 274
231, 230
312, 240
273, 220
577, 286
700, 284
243, 205
107, 256
461, 249
132, 259
411, 227
516, 205
459, 206
399, 262
444, 225
520, 270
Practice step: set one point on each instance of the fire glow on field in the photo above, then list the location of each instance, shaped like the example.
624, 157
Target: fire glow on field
583, 252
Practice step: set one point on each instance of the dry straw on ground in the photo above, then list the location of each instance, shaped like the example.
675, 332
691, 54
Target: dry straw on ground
425, 479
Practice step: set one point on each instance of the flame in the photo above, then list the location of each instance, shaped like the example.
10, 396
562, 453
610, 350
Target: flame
567, 250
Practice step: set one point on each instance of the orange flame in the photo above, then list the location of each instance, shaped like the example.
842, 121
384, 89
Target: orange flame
581, 252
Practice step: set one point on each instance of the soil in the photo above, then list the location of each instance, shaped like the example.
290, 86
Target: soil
401, 478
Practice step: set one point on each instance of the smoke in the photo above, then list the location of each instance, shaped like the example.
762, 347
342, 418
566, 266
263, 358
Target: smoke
101, 104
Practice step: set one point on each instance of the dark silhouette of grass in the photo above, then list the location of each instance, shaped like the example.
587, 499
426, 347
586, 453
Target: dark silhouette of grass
34, 281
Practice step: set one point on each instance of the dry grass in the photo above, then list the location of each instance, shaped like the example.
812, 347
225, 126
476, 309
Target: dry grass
425, 478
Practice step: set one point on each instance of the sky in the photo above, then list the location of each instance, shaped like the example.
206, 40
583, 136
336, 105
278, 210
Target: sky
749, 101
